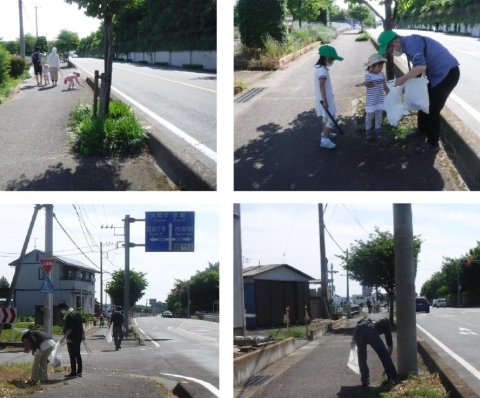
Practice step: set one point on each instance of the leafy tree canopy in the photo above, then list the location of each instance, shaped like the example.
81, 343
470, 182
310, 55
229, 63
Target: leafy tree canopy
116, 287
4, 283
67, 41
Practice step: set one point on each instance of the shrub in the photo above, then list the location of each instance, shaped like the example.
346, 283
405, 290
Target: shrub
17, 66
363, 37
119, 134
4, 65
142, 62
161, 63
192, 66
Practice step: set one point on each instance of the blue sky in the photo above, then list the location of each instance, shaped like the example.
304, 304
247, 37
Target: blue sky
274, 233
162, 268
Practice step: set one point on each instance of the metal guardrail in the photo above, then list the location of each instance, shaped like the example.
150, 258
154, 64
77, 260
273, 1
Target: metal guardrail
211, 318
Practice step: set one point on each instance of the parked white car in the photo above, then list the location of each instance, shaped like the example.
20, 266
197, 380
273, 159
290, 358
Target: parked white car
441, 302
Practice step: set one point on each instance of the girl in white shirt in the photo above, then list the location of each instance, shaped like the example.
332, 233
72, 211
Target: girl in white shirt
324, 92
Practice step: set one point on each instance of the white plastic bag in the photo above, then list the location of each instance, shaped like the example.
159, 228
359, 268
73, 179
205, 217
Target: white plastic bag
55, 357
416, 94
108, 334
353, 359
393, 104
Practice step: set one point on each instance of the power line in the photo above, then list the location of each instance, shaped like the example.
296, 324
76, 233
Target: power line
66, 233
331, 237
358, 222
85, 224
289, 234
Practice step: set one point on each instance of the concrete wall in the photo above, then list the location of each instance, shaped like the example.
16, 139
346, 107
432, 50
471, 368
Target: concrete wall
177, 58
252, 363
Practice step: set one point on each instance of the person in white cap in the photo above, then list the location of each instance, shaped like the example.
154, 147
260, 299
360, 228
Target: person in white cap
376, 90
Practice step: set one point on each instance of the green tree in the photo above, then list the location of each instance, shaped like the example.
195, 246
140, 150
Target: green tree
116, 287
4, 284
305, 10
359, 13
106, 11
41, 43
372, 263
261, 18
203, 289
67, 41
29, 43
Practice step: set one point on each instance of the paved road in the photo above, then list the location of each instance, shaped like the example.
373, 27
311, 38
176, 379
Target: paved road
180, 104
454, 333
188, 348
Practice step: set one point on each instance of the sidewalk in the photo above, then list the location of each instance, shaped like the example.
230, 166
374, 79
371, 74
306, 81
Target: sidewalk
36, 153
386, 166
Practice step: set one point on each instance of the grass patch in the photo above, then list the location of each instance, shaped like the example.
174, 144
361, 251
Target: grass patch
272, 50
363, 37
298, 332
8, 87
6, 335
120, 134
192, 66
426, 386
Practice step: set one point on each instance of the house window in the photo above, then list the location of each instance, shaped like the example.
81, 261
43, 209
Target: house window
41, 274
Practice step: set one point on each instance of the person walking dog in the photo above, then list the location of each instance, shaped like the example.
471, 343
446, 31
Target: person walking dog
367, 332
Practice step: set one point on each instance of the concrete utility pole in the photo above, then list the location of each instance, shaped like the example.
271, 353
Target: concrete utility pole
349, 309
405, 290
48, 306
101, 279
323, 265
36, 21
126, 279
22, 37
331, 276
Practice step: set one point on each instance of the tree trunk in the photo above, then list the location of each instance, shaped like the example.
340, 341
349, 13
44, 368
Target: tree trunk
108, 63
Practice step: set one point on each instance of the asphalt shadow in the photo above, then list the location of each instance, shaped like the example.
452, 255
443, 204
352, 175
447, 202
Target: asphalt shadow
87, 174
357, 392
290, 158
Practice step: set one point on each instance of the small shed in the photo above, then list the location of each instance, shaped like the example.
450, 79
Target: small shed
269, 289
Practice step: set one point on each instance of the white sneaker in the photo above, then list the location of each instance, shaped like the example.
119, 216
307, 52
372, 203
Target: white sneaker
326, 143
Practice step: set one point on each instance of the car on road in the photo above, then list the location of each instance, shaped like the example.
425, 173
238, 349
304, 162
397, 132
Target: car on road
422, 304
441, 302
166, 314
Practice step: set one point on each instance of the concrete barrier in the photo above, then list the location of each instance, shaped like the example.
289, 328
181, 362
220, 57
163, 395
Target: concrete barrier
249, 364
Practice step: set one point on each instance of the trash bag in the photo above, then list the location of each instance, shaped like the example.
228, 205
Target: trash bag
353, 359
416, 94
55, 358
393, 104
108, 334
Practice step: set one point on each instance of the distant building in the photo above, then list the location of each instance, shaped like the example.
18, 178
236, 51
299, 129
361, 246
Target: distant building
73, 282
269, 289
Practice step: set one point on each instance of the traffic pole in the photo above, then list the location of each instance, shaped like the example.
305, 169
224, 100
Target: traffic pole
126, 280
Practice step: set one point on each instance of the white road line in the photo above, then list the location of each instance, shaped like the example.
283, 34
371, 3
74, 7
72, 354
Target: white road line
148, 337
190, 140
459, 359
208, 386
472, 111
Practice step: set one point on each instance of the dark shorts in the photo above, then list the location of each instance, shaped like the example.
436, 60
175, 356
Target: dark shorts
37, 69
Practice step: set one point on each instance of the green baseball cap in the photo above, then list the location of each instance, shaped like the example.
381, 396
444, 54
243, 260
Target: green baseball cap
384, 40
329, 52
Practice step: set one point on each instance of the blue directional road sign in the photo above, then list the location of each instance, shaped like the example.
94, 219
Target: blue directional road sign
47, 286
170, 231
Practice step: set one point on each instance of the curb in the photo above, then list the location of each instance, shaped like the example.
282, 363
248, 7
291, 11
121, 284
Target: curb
186, 389
460, 142
185, 171
449, 378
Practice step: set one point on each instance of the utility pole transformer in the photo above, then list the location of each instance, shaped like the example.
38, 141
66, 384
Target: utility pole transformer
405, 290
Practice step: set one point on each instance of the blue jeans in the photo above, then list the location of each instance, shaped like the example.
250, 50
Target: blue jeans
117, 335
366, 334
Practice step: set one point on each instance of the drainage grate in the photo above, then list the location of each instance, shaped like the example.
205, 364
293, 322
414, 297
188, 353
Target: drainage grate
256, 380
249, 94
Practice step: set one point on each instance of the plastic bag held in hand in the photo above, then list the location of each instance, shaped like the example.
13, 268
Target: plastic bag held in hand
393, 104
55, 357
353, 359
108, 334
416, 94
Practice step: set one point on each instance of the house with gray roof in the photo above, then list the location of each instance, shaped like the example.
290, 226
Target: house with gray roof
73, 282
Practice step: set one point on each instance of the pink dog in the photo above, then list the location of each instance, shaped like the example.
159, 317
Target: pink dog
70, 78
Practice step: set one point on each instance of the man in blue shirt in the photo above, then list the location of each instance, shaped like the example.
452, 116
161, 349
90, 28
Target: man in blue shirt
441, 68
